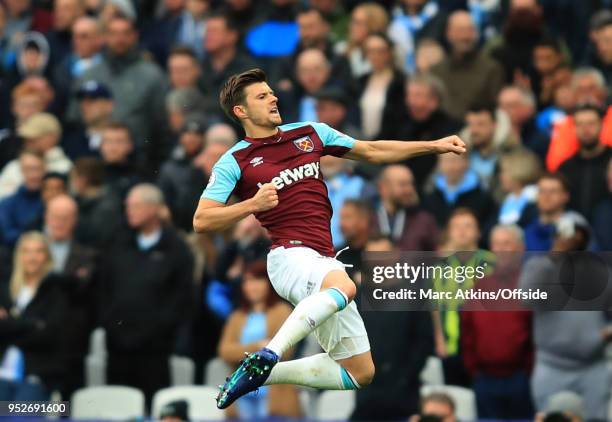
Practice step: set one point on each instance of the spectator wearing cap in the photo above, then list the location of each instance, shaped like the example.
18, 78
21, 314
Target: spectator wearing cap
586, 169
96, 105
41, 133
570, 344
468, 73
120, 171
100, 210
32, 58
75, 262
23, 208
588, 86
175, 411
423, 118
379, 91
178, 175
144, 294
602, 226
138, 87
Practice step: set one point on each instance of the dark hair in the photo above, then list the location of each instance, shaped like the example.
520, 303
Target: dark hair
183, 50
559, 178
91, 169
385, 38
459, 211
483, 108
258, 269
122, 17
549, 42
361, 205
588, 106
233, 91
309, 9
56, 175
556, 417
230, 23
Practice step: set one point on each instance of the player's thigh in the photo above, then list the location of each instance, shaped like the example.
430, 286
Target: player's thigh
340, 280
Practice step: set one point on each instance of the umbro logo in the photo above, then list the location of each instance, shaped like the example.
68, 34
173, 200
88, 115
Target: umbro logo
257, 161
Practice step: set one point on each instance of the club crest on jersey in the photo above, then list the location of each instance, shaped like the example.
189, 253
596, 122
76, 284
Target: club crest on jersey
304, 144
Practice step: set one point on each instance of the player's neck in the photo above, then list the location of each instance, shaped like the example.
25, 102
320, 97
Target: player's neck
260, 131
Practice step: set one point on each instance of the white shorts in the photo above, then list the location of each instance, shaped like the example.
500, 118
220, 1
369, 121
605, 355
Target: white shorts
298, 272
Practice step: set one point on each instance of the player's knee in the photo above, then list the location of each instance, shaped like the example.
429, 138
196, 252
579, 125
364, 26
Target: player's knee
365, 374
342, 282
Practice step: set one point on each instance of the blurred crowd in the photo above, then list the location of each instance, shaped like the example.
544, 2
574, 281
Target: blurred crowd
110, 125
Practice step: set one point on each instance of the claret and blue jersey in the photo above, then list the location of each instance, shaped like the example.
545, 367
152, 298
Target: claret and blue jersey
290, 160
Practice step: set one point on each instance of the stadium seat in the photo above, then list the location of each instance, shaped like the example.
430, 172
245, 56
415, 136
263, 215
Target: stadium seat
432, 373
112, 402
216, 371
201, 401
95, 370
335, 405
464, 398
182, 370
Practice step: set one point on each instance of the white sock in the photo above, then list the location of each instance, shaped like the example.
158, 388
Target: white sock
318, 371
307, 315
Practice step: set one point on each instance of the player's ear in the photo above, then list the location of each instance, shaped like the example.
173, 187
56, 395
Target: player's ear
240, 111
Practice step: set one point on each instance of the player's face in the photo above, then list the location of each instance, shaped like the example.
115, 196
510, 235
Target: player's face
262, 105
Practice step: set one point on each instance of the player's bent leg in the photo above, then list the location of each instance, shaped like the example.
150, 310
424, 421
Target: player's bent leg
340, 280
360, 367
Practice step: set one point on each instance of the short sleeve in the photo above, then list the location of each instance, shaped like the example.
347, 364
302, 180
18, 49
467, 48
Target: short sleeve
334, 142
223, 178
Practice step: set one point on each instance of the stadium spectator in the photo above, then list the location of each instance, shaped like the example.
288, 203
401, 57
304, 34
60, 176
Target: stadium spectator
96, 105
144, 292
573, 358
116, 148
333, 109
412, 21
162, 33
395, 388
53, 184
551, 69
461, 241
496, 346
100, 210
366, 19
65, 14
437, 405
182, 102
482, 124
553, 197
513, 49
589, 86
183, 67
456, 185
178, 175
313, 73
586, 169
428, 53
116, 8
355, 216
40, 133
520, 106
603, 44
192, 29
32, 307
75, 263
87, 43
424, 118
519, 170
380, 91
32, 59
259, 316
21, 209
175, 411
222, 58
468, 73
602, 226
334, 12
342, 184
399, 215
138, 86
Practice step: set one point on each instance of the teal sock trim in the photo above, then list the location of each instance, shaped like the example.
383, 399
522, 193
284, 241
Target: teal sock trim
347, 381
338, 297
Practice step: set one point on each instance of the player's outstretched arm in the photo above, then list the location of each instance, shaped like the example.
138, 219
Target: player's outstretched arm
380, 152
213, 215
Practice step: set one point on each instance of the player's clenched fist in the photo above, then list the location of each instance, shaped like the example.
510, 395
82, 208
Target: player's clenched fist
450, 144
266, 198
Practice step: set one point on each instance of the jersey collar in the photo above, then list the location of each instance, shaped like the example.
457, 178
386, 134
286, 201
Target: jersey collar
268, 139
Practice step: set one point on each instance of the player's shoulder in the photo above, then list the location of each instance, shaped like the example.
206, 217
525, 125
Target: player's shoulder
298, 125
229, 155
